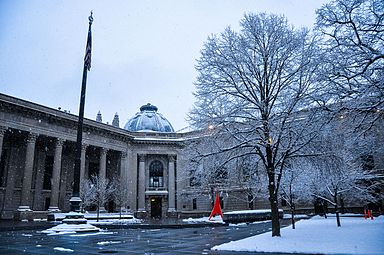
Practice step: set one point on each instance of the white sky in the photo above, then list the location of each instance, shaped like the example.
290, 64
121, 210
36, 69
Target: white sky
143, 51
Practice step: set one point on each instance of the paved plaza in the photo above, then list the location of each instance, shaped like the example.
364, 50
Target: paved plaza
146, 240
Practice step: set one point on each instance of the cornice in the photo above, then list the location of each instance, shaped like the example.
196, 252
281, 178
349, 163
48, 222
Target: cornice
53, 116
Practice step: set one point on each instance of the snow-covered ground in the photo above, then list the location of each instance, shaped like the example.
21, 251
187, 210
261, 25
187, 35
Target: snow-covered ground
64, 228
114, 221
319, 236
215, 219
104, 219
93, 216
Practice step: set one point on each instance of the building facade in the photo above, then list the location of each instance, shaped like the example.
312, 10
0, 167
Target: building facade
37, 146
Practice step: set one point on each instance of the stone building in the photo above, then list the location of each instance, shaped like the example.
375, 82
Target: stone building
37, 147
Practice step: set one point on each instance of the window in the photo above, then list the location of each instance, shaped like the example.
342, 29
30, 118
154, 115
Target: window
48, 168
219, 176
367, 162
194, 204
194, 179
250, 202
221, 203
156, 174
4, 160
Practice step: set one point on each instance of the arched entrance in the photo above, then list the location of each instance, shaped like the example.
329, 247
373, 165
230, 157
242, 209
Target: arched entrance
156, 207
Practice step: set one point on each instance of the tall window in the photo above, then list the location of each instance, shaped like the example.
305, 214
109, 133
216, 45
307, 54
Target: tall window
194, 204
48, 168
250, 202
4, 161
156, 174
367, 162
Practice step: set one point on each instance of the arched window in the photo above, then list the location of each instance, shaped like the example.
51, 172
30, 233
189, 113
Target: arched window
156, 174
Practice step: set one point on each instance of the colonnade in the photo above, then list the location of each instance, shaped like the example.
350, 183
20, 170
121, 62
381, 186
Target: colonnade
27, 172
32, 173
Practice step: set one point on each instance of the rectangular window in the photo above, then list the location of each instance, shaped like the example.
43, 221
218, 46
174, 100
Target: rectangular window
156, 182
4, 161
48, 169
47, 203
367, 162
193, 179
194, 204
250, 202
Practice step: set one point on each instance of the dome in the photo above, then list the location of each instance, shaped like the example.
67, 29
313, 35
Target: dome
148, 119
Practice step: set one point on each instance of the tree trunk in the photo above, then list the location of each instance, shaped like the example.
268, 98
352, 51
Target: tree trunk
337, 211
325, 208
98, 212
293, 218
274, 208
292, 205
274, 215
293, 214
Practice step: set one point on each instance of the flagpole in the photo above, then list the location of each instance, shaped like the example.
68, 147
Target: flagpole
75, 199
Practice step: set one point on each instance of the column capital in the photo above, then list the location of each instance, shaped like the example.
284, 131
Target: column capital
124, 154
32, 137
103, 151
2, 130
172, 158
141, 157
59, 142
84, 146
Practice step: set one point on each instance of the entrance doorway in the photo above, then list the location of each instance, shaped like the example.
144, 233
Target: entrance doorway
156, 207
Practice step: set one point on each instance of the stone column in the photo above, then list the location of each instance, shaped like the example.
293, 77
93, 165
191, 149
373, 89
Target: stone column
141, 184
55, 181
171, 184
39, 200
82, 163
103, 163
28, 170
124, 169
132, 166
124, 176
2, 131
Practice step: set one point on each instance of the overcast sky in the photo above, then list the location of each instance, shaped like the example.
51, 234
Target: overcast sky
143, 51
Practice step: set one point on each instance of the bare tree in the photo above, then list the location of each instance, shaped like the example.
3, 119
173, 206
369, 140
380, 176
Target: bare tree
339, 172
103, 189
251, 86
354, 66
209, 168
295, 185
87, 193
120, 194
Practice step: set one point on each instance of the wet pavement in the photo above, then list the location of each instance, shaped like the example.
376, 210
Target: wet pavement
151, 239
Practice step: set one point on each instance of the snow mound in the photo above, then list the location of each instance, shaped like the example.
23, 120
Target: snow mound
62, 249
65, 228
216, 219
108, 242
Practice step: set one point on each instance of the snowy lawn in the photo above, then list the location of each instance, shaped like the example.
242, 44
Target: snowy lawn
319, 236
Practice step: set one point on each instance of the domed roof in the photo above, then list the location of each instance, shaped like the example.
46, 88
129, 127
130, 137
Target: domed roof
148, 119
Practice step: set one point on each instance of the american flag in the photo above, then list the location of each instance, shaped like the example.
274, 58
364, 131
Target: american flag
88, 51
